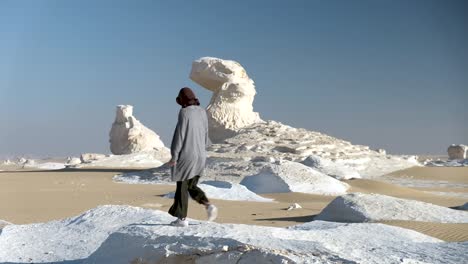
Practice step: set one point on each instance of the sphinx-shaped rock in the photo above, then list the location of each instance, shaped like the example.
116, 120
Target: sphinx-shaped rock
128, 135
457, 152
231, 106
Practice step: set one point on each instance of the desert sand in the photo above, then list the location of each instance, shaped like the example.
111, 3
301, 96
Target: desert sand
39, 196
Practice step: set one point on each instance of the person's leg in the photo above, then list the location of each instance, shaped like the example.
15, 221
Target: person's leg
196, 193
180, 205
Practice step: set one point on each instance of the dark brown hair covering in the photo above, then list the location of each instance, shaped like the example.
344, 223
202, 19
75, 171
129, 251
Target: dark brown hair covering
187, 97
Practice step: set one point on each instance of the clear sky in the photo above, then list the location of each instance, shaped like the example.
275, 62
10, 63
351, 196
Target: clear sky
388, 74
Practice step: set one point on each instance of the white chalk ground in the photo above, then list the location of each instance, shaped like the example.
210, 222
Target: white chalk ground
288, 176
134, 160
359, 207
227, 191
121, 234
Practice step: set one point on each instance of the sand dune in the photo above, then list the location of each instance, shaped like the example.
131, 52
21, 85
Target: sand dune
444, 231
451, 174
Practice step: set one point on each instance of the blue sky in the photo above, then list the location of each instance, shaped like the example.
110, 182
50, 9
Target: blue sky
388, 74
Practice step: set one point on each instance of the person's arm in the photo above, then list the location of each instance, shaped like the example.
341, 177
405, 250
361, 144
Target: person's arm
179, 137
207, 136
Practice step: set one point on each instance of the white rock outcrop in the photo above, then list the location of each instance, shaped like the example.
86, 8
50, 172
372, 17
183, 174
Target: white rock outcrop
139, 160
90, 157
360, 207
330, 168
73, 161
8, 162
231, 106
124, 234
289, 176
128, 135
457, 152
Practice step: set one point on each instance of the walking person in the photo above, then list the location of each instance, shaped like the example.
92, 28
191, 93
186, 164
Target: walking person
188, 150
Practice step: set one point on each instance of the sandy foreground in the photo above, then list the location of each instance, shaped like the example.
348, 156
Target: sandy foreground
39, 196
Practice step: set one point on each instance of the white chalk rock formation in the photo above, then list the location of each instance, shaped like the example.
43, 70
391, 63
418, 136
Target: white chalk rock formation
139, 160
29, 162
73, 161
330, 168
457, 152
273, 141
231, 106
90, 157
98, 236
359, 207
289, 176
8, 162
128, 135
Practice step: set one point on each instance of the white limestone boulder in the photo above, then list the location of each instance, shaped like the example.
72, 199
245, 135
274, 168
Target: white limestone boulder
289, 176
128, 135
231, 106
457, 152
360, 207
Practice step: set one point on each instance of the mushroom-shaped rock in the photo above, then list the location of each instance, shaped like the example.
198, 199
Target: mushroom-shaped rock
128, 135
457, 152
231, 106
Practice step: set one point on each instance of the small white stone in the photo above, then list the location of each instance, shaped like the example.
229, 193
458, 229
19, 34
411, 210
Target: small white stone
294, 206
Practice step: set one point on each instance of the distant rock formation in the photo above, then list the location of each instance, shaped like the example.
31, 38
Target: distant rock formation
89, 157
73, 161
231, 106
457, 152
128, 135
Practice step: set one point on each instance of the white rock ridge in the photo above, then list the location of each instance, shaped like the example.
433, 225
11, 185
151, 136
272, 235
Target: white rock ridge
457, 152
124, 234
359, 207
231, 106
271, 141
128, 135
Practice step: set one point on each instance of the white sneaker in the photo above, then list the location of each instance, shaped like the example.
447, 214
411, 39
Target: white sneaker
180, 222
212, 212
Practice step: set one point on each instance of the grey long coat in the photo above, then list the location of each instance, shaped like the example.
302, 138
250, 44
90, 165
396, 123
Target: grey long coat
189, 143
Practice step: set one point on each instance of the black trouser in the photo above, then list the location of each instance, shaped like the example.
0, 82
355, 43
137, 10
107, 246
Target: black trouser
184, 188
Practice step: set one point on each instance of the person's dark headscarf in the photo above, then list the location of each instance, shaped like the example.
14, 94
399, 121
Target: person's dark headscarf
187, 97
